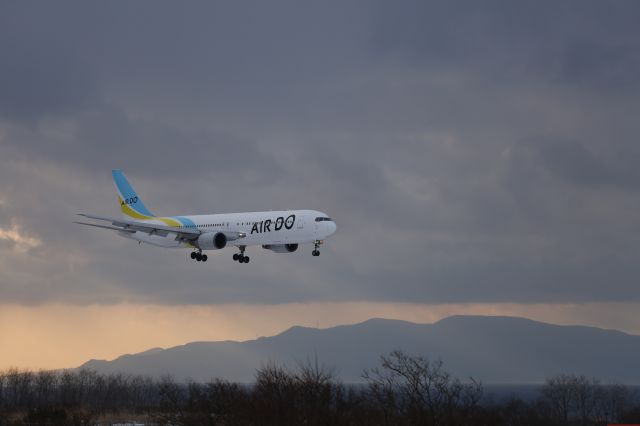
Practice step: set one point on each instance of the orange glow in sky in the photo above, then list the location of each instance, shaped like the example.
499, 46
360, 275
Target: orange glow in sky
61, 336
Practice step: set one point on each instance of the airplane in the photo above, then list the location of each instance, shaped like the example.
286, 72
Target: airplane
278, 231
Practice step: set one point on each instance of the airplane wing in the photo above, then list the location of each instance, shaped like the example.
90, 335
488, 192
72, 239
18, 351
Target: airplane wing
124, 225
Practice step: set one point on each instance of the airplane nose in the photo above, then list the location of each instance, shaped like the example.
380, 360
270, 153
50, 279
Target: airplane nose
332, 227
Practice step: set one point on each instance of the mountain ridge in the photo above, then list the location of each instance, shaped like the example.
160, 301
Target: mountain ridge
495, 349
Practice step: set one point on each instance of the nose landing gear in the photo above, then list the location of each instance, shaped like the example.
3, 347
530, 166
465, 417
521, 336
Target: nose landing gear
240, 257
315, 251
198, 256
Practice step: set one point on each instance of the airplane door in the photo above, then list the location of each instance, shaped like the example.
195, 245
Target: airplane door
301, 222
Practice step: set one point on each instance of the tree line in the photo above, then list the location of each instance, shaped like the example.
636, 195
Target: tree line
401, 390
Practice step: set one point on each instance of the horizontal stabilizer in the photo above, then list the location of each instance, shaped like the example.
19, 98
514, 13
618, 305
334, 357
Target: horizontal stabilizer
107, 227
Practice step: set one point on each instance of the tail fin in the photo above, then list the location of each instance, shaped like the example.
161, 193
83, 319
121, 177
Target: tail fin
130, 204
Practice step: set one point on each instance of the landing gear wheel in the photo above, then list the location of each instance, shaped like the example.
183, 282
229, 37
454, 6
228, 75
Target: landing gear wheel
204, 257
193, 254
199, 257
240, 257
315, 253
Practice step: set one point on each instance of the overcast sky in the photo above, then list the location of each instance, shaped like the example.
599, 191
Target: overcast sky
470, 152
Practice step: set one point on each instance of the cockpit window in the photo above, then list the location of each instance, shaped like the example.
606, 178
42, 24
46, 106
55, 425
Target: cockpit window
321, 219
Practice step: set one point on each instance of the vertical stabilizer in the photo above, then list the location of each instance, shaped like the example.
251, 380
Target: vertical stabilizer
130, 203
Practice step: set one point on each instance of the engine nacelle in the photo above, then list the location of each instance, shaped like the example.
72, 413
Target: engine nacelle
281, 248
212, 241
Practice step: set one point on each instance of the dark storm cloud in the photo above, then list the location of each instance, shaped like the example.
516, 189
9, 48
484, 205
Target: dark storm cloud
570, 43
49, 82
572, 162
615, 65
468, 151
105, 137
40, 75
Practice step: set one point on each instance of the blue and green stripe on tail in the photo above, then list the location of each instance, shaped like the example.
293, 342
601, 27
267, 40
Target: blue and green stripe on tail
132, 206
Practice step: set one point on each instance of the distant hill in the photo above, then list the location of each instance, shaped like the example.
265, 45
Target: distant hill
493, 349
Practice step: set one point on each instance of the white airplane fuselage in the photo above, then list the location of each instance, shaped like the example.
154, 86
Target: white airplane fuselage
261, 228
278, 231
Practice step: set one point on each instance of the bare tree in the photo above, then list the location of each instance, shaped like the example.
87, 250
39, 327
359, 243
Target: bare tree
571, 399
274, 392
45, 387
421, 391
403, 390
586, 393
612, 401
227, 402
308, 394
557, 397
18, 388
2, 391
171, 402
317, 392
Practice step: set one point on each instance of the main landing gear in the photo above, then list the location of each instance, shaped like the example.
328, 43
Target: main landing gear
197, 255
240, 257
315, 251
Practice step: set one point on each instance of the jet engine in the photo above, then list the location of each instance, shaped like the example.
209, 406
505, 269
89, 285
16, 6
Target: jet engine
211, 241
281, 248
